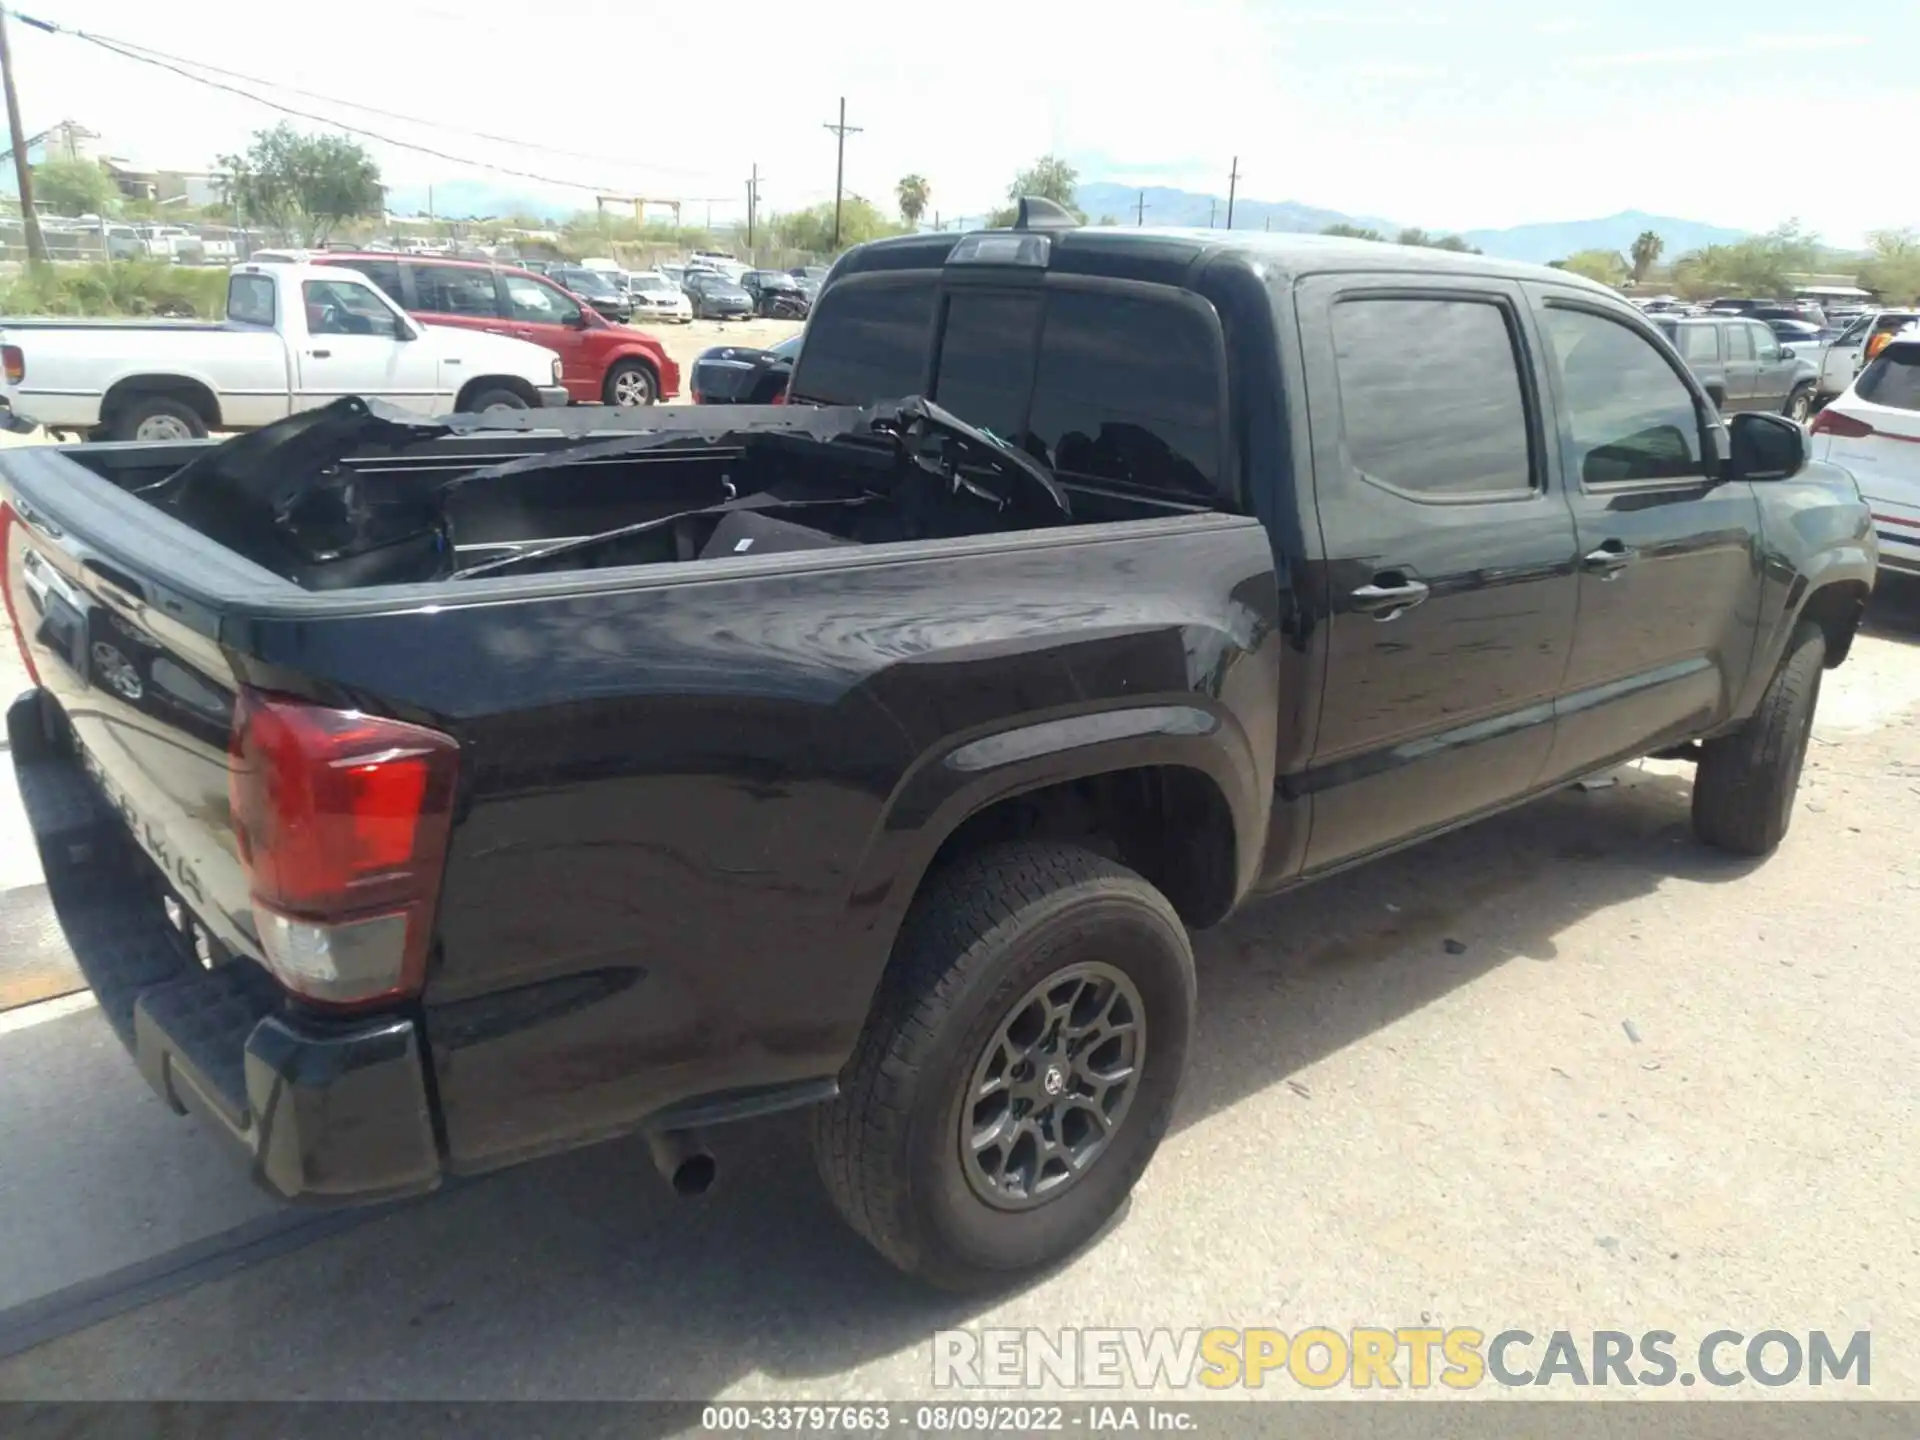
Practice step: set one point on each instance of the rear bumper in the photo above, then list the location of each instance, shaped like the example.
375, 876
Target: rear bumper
320, 1111
552, 395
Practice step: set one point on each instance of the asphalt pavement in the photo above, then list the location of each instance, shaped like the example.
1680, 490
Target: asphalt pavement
1565, 1069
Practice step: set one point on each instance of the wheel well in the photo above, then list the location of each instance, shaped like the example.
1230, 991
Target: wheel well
1168, 822
192, 393
495, 382
1837, 610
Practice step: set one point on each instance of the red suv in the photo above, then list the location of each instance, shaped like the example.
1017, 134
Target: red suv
600, 362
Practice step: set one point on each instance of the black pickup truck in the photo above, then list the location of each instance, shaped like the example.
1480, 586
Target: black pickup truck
424, 796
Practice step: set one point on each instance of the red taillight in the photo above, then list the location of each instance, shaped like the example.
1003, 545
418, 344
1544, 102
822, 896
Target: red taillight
1831, 422
13, 361
341, 820
9, 519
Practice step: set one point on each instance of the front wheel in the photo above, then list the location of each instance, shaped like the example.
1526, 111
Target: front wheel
1744, 788
1799, 406
1018, 1069
630, 384
495, 398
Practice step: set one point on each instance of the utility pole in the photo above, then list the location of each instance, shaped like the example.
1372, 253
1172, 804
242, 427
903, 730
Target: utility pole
1213, 211
23, 172
841, 131
753, 205
1233, 184
1140, 210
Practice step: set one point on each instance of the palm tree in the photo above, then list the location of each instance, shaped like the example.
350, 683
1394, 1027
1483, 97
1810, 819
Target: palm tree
914, 193
1646, 250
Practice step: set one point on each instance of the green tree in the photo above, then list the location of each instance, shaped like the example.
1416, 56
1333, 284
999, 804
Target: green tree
812, 230
1353, 232
914, 194
1893, 272
1609, 267
74, 187
1414, 235
1761, 266
1050, 178
1646, 250
1454, 243
302, 185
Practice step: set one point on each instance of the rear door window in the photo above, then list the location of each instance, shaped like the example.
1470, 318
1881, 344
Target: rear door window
1739, 342
1430, 396
384, 273
868, 342
456, 290
1128, 389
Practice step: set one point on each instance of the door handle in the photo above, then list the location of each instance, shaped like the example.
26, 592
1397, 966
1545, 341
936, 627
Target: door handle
1386, 600
451, 360
1610, 559
320, 354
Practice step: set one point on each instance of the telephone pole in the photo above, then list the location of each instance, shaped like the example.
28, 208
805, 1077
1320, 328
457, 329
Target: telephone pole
1140, 210
841, 131
23, 172
753, 205
1233, 184
1213, 211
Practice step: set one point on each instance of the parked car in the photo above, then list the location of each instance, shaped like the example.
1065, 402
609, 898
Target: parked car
1873, 430
296, 337
604, 363
886, 769
776, 293
655, 297
816, 273
1847, 355
714, 297
1742, 365
596, 289
1807, 338
742, 375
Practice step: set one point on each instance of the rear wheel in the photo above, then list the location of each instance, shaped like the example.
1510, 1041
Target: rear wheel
1743, 790
1800, 403
1018, 1069
155, 418
630, 383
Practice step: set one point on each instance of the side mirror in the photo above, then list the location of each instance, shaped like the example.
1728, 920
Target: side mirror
1786, 352
1766, 446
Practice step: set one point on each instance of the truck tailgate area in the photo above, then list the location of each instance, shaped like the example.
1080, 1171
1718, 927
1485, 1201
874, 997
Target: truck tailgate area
320, 1110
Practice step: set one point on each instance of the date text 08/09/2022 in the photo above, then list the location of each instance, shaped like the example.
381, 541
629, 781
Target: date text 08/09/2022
961, 1418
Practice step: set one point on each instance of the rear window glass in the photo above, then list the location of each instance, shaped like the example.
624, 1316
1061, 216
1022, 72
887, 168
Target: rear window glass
986, 358
250, 299
1893, 380
868, 342
1129, 389
1699, 342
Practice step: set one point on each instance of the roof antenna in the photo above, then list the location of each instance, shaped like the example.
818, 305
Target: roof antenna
1036, 212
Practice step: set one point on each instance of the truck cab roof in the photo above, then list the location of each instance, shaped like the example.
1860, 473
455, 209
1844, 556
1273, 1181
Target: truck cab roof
1168, 255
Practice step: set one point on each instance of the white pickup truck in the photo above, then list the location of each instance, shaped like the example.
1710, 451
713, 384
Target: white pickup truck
296, 337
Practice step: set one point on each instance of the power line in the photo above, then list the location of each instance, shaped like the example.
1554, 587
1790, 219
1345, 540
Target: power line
153, 59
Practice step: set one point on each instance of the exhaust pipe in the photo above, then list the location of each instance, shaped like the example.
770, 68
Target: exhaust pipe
683, 1160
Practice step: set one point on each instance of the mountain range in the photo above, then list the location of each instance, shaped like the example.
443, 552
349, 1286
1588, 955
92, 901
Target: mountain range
1539, 243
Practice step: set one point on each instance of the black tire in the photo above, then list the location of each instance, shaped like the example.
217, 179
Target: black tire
982, 934
494, 397
138, 410
1743, 790
633, 377
1800, 403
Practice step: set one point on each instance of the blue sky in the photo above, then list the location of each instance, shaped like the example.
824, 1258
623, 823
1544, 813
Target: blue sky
1482, 113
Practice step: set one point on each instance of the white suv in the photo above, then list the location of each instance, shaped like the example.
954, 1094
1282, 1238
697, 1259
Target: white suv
1874, 431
